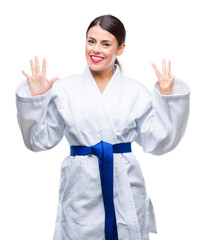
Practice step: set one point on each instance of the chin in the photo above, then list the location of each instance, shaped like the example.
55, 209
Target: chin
98, 67
95, 67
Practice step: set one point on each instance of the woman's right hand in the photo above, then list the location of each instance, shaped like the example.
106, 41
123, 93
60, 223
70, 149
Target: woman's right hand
37, 82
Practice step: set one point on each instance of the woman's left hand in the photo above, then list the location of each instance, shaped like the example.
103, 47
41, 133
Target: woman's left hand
165, 80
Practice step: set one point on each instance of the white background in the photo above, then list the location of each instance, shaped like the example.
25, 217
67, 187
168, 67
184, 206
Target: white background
157, 29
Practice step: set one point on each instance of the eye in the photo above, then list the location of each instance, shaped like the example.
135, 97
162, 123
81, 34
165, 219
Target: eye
90, 41
106, 44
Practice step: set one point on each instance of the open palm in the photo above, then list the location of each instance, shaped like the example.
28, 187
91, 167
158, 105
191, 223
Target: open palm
37, 82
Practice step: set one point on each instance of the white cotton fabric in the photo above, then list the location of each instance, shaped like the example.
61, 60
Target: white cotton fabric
125, 112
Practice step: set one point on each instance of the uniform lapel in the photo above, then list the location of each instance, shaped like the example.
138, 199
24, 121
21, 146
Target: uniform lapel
114, 78
102, 101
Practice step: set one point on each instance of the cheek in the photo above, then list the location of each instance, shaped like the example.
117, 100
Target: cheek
87, 49
111, 53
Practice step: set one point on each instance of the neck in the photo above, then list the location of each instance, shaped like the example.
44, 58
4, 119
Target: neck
103, 75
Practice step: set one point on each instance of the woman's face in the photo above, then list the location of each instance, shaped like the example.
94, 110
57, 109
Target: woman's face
101, 49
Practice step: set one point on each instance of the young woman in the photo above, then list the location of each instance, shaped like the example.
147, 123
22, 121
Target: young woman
102, 192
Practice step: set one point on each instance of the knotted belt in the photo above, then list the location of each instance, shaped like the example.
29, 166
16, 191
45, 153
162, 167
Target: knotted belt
104, 151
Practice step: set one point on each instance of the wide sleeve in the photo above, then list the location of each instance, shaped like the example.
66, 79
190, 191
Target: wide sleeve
164, 118
41, 125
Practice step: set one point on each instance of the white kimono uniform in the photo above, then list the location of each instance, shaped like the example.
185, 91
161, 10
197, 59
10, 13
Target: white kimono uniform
125, 112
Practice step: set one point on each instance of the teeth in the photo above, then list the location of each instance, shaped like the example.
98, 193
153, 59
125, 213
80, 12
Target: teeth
97, 58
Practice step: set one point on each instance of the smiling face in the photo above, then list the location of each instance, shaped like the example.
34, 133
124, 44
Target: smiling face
101, 49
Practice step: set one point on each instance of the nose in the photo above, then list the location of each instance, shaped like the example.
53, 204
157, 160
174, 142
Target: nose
96, 48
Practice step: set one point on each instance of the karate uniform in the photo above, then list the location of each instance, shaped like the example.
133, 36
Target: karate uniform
125, 112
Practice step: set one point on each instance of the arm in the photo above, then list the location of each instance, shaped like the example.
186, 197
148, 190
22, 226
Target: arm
163, 124
164, 120
40, 123
38, 117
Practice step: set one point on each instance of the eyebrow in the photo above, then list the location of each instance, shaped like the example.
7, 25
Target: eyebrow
102, 40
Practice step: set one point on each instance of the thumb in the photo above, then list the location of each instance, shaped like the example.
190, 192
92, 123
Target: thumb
53, 80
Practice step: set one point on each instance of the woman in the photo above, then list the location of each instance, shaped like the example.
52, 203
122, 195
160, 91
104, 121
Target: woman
102, 191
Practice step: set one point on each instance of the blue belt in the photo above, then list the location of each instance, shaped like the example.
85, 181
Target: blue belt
104, 151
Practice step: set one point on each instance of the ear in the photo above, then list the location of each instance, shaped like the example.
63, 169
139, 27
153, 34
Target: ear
120, 49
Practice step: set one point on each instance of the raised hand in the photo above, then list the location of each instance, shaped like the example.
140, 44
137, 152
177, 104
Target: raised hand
37, 82
166, 81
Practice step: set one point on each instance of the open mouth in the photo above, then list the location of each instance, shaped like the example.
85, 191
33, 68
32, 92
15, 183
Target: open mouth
96, 59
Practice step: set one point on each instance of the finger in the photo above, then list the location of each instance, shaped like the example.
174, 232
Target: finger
44, 67
32, 67
37, 64
169, 68
163, 66
156, 70
25, 74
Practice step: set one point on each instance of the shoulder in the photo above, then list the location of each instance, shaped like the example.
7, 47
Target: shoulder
138, 95
135, 86
132, 82
67, 82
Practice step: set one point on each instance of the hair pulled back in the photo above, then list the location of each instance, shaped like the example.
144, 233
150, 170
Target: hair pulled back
112, 25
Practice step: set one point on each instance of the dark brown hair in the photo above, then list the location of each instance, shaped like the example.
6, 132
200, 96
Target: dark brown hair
112, 25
